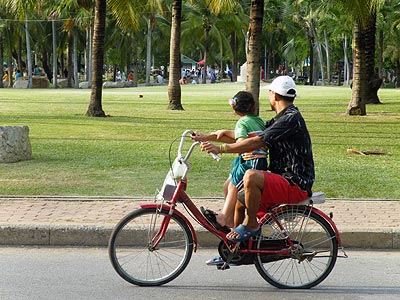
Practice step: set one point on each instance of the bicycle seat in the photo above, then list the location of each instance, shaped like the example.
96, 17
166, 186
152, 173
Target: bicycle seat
316, 198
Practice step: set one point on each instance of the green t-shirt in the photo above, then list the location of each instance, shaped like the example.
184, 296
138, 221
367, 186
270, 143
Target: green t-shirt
248, 126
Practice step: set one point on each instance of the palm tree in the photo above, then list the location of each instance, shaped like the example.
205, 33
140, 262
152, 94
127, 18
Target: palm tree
174, 88
78, 14
306, 15
365, 81
274, 34
128, 16
95, 108
255, 50
22, 9
392, 51
206, 20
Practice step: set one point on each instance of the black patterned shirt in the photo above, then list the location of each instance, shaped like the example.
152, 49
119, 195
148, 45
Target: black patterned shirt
290, 151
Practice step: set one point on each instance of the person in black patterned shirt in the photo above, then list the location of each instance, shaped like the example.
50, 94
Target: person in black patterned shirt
291, 170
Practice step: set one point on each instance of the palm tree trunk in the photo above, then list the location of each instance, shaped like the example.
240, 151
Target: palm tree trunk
90, 63
95, 107
206, 50
1, 59
380, 54
45, 64
311, 71
374, 81
28, 53
19, 55
53, 30
359, 87
365, 81
174, 88
69, 59
75, 58
10, 70
328, 63
255, 50
234, 47
148, 52
88, 54
346, 68
321, 63
135, 61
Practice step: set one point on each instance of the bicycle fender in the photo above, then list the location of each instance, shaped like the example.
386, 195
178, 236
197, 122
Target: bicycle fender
178, 213
330, 221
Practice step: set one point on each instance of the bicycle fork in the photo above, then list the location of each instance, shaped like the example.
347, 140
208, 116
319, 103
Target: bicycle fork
155, 240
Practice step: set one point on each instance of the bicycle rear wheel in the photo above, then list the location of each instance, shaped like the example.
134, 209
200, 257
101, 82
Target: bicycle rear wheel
137, 261
315, 254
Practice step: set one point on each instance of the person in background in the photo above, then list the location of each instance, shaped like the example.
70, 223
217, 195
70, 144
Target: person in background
18, 74
130, 76
6, 77
36, 71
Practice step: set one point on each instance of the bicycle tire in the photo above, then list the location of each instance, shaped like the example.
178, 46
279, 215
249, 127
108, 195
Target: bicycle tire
316, 244
133, 258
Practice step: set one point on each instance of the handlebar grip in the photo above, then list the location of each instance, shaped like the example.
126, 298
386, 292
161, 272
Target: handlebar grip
215, 156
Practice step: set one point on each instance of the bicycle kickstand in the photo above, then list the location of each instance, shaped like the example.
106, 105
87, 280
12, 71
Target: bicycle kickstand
225, 265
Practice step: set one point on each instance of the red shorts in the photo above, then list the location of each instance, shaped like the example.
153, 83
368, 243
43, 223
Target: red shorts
277, 190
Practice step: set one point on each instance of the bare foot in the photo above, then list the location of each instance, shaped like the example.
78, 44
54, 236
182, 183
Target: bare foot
222, 220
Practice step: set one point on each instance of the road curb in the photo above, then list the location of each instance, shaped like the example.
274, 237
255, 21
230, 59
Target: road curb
98, 236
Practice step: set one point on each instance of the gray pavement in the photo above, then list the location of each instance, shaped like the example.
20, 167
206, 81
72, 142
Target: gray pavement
88, 221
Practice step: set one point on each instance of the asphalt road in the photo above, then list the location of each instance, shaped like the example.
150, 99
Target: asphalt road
86, 273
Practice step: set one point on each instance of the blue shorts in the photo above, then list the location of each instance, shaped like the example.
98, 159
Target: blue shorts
240, 166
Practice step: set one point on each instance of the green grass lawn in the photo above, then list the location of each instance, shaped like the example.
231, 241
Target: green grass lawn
127, 153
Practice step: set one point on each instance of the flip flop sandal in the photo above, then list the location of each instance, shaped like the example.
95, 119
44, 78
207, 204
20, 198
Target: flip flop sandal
244, 233
211, 218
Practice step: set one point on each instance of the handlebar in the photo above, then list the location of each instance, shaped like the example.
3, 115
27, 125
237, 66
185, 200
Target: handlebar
179, 168
184, 135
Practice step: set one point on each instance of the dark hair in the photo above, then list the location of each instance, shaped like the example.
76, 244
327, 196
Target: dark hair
244, 103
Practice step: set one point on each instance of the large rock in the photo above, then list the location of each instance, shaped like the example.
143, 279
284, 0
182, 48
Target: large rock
117, 84
38, 82
84, 85
112, 84
63, 82
14, 144
20, 84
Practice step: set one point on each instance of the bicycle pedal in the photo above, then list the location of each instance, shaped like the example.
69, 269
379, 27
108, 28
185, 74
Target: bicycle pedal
224, 266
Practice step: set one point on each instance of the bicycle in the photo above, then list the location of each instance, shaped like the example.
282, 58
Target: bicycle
151, 246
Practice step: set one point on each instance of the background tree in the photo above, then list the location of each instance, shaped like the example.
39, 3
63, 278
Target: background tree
174, 92
255, 50
365, 81
23, 9
128, 16
174, 88
95, 108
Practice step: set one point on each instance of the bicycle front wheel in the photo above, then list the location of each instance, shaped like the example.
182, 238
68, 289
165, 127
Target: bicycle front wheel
315, 250
137, 260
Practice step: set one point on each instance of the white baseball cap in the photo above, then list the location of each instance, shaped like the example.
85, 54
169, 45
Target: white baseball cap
284, 86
